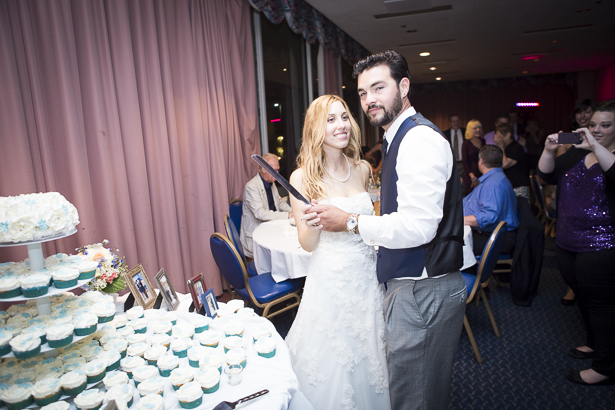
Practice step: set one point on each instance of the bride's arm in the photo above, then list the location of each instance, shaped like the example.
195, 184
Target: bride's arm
308, 235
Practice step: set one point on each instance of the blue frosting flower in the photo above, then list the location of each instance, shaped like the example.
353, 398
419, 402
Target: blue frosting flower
65, 209
4, 227
30, 202
42, 225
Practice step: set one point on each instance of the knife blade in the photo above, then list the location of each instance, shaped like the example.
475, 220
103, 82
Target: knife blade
291, 189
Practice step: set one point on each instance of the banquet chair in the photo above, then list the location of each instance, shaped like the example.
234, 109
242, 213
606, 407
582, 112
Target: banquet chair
235, 211
544, 215
489, 259
261, 290
233, 235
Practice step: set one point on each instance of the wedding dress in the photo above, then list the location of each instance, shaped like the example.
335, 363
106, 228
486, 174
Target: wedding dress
337, 339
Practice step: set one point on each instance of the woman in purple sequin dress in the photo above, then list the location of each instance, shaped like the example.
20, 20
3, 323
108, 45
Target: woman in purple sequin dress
585, 240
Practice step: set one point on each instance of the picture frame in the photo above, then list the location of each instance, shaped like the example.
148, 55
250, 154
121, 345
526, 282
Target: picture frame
197, 288
210, 303
140, 286
166, 289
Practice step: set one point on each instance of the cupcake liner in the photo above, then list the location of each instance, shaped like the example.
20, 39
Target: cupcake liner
87, 275
63, 284
181, 353
152, 362
213, 346
123, 354
229, 334
201, 329
160, 393
75, 391
211, 389
135, 382
6, 349
114, 366
141, 330
174, 322
49, 399
129, 374
10, 293
20, 404
165, 373
43, 339
267, 355
194, 363
105, 319
191, 404
129, 404
35, 292
28, 354
96, 378
84, 331
92, 408
61, 342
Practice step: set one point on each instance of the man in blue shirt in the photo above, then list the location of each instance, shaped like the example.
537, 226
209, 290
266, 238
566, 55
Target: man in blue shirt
492, 201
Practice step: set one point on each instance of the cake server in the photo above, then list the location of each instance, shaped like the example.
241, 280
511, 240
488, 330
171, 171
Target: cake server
231, 405
291, 189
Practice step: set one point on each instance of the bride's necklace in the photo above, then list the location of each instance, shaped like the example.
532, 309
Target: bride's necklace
339, 180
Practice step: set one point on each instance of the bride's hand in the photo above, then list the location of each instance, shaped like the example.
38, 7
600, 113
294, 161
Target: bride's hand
311, 219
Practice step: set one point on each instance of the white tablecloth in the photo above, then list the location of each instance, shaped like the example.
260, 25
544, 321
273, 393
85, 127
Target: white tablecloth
277, 250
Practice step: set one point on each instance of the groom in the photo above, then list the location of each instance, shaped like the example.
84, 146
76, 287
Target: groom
420, 237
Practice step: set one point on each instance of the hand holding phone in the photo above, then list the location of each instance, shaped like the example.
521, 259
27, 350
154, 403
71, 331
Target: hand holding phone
569, 138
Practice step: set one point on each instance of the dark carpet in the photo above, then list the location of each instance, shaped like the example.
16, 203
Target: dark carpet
525, 368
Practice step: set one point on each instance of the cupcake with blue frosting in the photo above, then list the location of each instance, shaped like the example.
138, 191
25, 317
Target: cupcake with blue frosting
10, 287
137, 349
26, 346
160, 339
170, 316
153, 353
105, 311
200, 323
162, 326
134, 313
87, 270
130, 363
143, 373
139, 325
208, 379
236, 356
17, 397
34, 285
265, 347
73, 382
114, 378
39, 330
209, 338
5, 346
152, 386
60, 335
183, 330
190, 395
196, 353
152, 401
58, 405
95, 370
89, 399
47, 391
65, 278
214, 360
232, 342
180, 346
234, 328
85, 324
166, 364
136, 338
261, 332
181, 376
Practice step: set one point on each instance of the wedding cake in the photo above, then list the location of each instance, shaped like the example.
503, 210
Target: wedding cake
35, 216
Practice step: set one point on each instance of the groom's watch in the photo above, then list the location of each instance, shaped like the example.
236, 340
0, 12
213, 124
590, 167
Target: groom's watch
352, 222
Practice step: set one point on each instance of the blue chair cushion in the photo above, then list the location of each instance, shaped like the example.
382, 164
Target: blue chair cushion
470, 280
266, 289
251, 268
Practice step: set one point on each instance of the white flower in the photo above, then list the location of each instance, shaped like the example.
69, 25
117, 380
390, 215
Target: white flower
57, 220
22, 229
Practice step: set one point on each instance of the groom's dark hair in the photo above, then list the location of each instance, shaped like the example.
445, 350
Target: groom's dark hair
395, 61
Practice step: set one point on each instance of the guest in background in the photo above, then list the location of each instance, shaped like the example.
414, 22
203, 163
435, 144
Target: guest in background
456, 135
500, 120
585, 238
514, 165
534, 142
516, 123
261, 202
469, 154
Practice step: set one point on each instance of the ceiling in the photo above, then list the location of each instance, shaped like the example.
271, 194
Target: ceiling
478, 39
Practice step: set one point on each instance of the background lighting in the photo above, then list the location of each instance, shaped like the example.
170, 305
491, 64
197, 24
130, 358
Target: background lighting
432, 68
527, 104
424, 54
438, 78
276, 120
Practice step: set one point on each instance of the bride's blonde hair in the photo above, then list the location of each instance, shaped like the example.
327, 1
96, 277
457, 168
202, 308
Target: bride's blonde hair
311, 158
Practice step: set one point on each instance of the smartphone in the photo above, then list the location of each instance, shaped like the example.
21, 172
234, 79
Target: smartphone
569, 138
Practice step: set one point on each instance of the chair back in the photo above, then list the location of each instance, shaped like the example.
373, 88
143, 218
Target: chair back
228, 261
235, 210
233, 235
489, 257
538, 193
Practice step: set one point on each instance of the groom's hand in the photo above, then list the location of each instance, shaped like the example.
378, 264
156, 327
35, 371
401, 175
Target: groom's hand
332, 219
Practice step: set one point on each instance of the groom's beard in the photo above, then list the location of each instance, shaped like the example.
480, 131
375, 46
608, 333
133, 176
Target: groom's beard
389, 113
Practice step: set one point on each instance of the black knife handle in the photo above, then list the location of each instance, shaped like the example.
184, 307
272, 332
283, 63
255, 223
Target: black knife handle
253, 396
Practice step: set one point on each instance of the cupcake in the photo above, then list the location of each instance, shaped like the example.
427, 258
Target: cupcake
166, 364
183, 330
47, 391
246, 312
214, 360
154, 385
153, 353
235, 304
5, 346
236, 356
10, 287
162, 326
170, 316
261, 332
125, 331
37, 330
209, 338
26, 346
200, 323
160, 339
34, 285
196, 353
180, 347
232, 342
136, 338
135, 312
151, 402
181, 376
121, 393
89, 399
119, 322
95, 370
137, 349
143, 373
85, 324
87, 270
73, 382
60, 335
105, 311
190, 395
112, 359
234, 328
130, 363
17, 397
139, 325
76, 363
119, 345
65, 278
265, 347
58, 405
225, 311
114, 378
208, 379
108, 337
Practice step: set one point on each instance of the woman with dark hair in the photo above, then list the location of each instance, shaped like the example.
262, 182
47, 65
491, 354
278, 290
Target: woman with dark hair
582, 113
585, 239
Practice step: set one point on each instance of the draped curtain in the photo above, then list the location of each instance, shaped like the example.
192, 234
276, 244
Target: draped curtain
331, 72
141, 113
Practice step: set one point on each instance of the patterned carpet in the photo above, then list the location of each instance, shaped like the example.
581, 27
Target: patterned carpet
525, 369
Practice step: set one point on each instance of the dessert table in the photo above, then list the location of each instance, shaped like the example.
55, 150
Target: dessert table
277, 250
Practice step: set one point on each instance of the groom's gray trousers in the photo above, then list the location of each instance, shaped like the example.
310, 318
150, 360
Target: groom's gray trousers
423, 321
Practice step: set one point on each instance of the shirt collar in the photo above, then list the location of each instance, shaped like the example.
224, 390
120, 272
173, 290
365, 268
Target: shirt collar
265, 183
488, 174
390, 134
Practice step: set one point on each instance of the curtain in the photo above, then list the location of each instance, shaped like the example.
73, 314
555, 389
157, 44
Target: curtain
331, 72
141, 113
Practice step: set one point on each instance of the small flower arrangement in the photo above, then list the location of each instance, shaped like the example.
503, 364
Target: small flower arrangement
109, 278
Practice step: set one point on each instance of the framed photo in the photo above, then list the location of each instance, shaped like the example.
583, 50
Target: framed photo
197, 289
165, 287
140, 287
211, 304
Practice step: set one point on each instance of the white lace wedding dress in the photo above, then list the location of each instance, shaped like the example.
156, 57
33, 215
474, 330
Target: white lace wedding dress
337, 339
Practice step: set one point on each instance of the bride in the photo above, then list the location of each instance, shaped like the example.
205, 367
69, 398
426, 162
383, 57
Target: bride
337, 340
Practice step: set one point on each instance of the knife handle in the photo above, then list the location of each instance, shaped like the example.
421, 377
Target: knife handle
253, 396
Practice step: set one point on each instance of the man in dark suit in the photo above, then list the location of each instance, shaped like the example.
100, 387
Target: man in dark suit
455, 136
